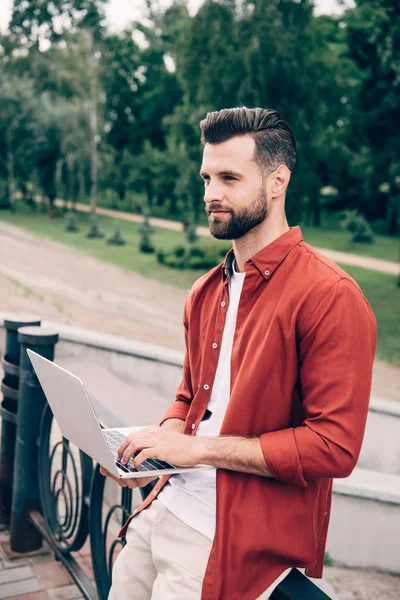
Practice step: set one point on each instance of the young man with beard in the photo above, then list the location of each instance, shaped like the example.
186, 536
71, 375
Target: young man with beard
276, 382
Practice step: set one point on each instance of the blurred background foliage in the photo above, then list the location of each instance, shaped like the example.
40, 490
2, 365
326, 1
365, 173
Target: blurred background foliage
112, 119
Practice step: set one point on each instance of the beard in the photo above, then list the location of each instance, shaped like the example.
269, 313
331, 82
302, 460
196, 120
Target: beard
241, 221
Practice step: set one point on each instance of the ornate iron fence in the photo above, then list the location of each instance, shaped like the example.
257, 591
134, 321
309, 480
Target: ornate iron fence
74, 508
65, 503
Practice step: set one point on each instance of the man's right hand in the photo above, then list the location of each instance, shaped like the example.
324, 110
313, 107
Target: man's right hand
135, 482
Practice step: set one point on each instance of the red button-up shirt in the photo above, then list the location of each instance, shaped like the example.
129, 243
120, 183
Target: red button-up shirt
301, 372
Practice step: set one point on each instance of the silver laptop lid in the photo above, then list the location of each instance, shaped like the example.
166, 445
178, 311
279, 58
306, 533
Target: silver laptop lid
72, 410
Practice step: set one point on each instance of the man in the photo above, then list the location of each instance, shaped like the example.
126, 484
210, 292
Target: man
276, 382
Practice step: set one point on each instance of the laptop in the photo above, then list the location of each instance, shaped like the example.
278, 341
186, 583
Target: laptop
77, 420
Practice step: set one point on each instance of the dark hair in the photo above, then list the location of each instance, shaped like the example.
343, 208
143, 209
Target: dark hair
274, 138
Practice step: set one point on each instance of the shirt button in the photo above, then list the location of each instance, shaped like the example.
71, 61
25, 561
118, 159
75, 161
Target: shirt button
215, 345
193, 425
206, 386
267, 272
223, 303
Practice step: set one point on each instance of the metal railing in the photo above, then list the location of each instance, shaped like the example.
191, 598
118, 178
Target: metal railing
49, 489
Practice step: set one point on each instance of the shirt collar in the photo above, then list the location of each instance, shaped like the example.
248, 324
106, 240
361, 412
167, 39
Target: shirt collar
270, 257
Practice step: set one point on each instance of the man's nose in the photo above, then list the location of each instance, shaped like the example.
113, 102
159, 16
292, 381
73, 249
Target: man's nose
213, 192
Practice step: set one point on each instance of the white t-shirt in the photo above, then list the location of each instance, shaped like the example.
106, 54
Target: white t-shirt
192, 496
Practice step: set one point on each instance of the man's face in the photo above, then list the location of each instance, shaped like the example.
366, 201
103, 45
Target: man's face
235, 193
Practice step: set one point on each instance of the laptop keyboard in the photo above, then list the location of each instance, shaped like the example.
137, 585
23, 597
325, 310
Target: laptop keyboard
114, 440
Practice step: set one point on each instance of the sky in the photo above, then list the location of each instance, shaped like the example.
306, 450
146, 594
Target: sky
121, 12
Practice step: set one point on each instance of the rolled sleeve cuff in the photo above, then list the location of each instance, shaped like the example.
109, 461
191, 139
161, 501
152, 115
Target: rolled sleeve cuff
178, 410
281, 455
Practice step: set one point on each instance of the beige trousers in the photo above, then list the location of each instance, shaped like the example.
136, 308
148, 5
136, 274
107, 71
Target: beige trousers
164, 559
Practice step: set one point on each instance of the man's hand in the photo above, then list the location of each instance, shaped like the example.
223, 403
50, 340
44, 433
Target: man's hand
135, 482
131, 482
168, 443
165, 443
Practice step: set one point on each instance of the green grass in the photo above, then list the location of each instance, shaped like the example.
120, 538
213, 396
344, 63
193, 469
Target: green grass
384, 247
383, 295
379, 288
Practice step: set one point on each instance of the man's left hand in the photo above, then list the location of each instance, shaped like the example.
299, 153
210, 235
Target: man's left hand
158, 442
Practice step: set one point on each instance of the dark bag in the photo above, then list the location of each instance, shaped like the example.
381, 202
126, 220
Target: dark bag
297, 586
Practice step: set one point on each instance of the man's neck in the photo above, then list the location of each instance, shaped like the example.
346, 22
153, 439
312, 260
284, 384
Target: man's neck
257, 239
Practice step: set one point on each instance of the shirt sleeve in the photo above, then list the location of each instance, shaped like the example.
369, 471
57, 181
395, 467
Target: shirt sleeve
336, 354
184, 394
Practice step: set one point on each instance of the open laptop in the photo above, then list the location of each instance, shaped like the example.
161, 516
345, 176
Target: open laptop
77, 420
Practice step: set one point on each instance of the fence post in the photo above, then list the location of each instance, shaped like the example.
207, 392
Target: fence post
9, 409
31, 402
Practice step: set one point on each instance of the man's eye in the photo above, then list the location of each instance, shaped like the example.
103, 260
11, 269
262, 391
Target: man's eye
229, 178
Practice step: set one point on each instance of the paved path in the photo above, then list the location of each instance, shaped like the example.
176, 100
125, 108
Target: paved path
60, 284
39, 577
366, 262
42, 578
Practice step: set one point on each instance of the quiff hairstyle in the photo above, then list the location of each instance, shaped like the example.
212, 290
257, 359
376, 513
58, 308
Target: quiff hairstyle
273, 136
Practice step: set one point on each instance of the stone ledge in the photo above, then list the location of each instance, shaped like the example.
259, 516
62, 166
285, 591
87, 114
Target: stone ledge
381, 405
372, 485
113, 343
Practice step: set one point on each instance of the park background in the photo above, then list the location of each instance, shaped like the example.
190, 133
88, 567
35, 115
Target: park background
102, 226
105, 112
105, 115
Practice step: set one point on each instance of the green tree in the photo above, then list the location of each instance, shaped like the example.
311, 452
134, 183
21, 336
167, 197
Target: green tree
373, 28
38, 20
19, 116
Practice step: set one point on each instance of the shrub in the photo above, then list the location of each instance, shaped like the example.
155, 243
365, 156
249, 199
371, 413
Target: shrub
71, 222
205, 254
358, 226
197, 252
180, 251
191, 234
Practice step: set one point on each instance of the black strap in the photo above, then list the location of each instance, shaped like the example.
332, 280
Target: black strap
297, 586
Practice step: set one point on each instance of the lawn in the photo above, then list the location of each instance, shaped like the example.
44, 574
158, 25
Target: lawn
384, 247
379, 288
383, 295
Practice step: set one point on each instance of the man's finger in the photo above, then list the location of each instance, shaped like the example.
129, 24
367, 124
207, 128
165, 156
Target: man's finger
144, 455
131, 450
106, 473
123, 447
136, 438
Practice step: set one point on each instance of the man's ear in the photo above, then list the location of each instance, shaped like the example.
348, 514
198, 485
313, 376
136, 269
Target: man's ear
280, 181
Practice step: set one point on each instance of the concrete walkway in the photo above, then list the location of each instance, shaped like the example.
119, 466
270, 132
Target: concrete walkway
365, 262
42, 578
39, 577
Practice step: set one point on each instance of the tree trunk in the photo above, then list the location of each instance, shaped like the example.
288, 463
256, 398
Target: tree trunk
316, 212
149, 192
398, 279
82, 187
121, 191
172, 203
11, 180
52, 210
93, 74
393, 215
